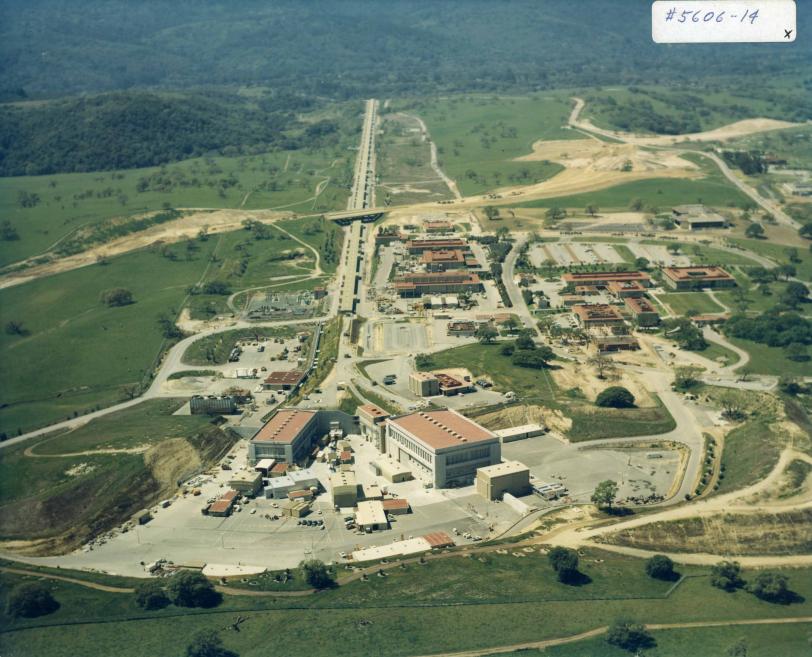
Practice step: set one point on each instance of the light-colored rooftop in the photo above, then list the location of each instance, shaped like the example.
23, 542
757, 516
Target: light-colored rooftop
285, 426
443, 428
370, 513
503, 468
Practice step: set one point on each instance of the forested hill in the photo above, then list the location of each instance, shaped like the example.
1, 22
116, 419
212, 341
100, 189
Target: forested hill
353, 48
136, 129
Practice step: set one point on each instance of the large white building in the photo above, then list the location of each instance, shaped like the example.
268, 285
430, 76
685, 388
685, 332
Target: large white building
441, 447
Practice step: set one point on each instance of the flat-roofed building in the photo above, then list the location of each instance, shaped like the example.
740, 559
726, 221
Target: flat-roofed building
279, 487
416, 285
391, 470
520, 432
495, 480
246, 482
625, 289
418, 246
283, 380
344, 487
396, 507
608, 343
224, 504
603, 278
287, 437
441, 447
438, 226
424, 384
598, 314
697, 217
450, 385
462, 328
200, 405
443, 260
710, 319
264, 466
371, 516
372, 422
643, 311
689, 278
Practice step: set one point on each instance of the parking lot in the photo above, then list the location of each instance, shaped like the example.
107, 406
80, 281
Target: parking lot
565, 254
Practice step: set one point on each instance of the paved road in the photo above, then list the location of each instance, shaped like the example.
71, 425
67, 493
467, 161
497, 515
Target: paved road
515, 294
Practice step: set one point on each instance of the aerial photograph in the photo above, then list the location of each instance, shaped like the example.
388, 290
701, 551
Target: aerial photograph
405, 328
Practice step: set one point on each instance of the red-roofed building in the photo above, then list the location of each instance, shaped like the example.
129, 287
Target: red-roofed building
287, 437
441, 447
283, 380
223, 505
439, 539
690, 278
416, 285
604, 278
397, 506
643, 311
443, 259
418, 246
598, 314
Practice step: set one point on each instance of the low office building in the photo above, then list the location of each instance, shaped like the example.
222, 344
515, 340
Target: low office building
289, 436
697, 217
625, 289
643, 311
438, 226
462, 328
371, 492
372, 422
598, 314
416, 285
424, 384
417, 247
450, 385
710, 319
295, 508
264, 466
246, 482
521, 432
442, 447
691, 278
494, 481
283, 380
370, 516
344, 487
602, 279
443, 260
607, 343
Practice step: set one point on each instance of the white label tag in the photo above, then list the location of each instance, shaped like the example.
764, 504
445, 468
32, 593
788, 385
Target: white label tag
723, 21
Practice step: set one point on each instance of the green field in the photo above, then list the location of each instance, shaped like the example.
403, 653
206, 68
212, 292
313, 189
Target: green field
77, 353
770, 360
64, 486
778, 253
448, 605
757, 640
478, 137
690, 303
593, 423
326, 237
281, 180
660, 193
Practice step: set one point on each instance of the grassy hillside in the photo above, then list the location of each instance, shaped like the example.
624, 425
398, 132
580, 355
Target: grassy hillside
59, 491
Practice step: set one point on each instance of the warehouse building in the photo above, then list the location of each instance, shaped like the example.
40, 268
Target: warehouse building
417, 247
223, 505
283, 380
246, 482
424, 384
691, 278
391, 470
441, 447
370, 516
344, 487
288, 437
416, 285
493, 481
200, 405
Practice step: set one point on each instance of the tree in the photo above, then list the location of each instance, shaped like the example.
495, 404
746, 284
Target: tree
615, 397
795, 294
14, 327
525, 341
192, 589
660, 567
317, 574
29, 600
806, 231
169, 329
726, 575
755, 231
537, 358
555, 214
486, 333
629, 635
591, 210
564, 562
116, 297
216, 287
636, 204
789, 385
602, 364
771, 587
605, 494
786, 270
641, 264
733, 404
686, 376
151, 595
208, 644
673, 248
502, 233
796, 351
8, 233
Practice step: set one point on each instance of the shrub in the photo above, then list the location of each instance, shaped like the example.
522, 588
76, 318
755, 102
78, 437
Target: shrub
151, 595
117, 296
615, 397
771, 587
317, 574
29, 600
629, 635
208, 644
565, 563
726, 575
660, 567
191, 589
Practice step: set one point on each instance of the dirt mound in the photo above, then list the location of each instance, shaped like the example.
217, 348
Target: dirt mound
170, 460
513, 416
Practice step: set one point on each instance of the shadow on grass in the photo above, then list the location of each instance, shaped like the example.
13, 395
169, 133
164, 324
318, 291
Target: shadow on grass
576, 578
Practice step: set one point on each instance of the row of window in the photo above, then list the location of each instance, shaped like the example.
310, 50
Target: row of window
412, 446
468, 455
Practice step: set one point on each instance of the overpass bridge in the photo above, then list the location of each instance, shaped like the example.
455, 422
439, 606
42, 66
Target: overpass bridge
346, 217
